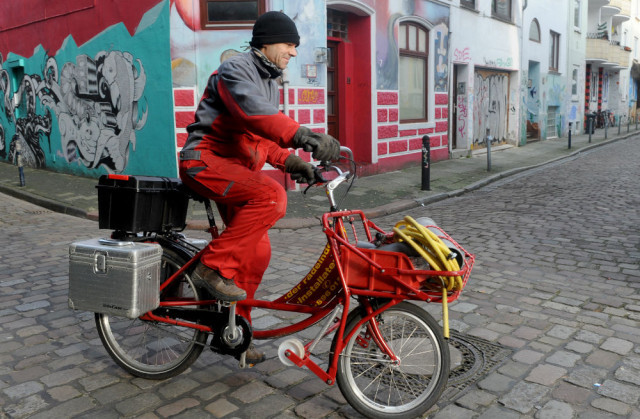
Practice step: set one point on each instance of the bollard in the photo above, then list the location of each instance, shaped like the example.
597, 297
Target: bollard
606, 124
489, 139
628, 124
19, 161
619, 124
590, 128
569, 140
426, 163
636, 122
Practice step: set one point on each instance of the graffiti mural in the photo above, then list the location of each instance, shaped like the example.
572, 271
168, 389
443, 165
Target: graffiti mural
95, 102
20, 108
80, 101
388, 19
441, 33
491, 107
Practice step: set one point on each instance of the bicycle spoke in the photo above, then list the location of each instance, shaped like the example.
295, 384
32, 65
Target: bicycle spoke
377, 386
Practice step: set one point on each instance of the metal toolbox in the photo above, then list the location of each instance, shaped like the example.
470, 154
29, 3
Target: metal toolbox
114, 277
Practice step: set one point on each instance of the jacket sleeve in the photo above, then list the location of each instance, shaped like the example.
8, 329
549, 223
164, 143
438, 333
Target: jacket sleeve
277, 155
238, 87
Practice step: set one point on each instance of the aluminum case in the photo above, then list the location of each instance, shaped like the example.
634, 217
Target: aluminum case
114, 277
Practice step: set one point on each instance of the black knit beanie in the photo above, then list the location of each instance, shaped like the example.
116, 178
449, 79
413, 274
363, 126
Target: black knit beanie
273, 28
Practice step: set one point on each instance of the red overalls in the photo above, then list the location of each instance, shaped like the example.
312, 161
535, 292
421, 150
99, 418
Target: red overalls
238, 128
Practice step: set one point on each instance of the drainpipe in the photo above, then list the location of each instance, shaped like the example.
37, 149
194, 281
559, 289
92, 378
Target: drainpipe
285, 89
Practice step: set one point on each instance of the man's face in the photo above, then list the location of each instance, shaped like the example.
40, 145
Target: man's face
280, 53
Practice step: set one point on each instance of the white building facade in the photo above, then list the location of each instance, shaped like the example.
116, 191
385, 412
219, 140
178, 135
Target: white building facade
607, 57
485, 73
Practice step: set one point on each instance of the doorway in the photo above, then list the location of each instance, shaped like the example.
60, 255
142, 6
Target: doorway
349, 89
490, 107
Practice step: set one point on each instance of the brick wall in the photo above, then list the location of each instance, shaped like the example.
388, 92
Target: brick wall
306, 105
393, 140
184, 105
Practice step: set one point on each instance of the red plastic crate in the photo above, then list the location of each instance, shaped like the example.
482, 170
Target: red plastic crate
361, 273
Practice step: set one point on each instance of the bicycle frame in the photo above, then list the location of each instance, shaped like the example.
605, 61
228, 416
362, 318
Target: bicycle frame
325, 289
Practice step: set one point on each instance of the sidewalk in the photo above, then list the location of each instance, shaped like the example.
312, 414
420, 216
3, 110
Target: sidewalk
376, 195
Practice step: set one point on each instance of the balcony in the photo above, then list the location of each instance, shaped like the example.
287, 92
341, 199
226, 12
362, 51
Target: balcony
624, 7
606, 53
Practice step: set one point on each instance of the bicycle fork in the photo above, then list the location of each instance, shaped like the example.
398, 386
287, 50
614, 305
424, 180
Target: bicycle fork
373, 333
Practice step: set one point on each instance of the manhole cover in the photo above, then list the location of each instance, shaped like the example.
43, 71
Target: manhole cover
471, 359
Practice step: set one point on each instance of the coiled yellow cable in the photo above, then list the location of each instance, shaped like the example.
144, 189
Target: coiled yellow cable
436, 253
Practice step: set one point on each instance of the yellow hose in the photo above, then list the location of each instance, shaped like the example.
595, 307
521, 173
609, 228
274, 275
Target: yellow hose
438, 256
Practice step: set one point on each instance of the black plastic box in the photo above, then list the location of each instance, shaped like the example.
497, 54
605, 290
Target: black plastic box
141, 203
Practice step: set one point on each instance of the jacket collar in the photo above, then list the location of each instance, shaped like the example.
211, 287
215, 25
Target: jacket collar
265, 67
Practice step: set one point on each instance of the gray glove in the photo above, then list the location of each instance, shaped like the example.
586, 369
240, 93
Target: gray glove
301, 171
323, 147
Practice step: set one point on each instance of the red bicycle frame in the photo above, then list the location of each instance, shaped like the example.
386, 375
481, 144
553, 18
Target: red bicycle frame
331, 283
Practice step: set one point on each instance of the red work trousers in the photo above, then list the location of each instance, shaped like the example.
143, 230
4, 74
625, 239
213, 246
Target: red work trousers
249, 203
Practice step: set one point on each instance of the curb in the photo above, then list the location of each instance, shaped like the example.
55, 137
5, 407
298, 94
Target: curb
44, 202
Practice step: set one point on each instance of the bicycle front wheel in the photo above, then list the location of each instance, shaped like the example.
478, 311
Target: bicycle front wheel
154, 350
379, 388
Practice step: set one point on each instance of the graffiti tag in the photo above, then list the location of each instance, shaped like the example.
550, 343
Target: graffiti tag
310, 96
498, 62
462, 116
462, 55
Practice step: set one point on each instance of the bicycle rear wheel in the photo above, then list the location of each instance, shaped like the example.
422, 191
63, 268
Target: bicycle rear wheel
377, 388
154, 350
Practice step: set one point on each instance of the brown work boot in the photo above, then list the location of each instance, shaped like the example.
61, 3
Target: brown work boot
221, 288
253, 356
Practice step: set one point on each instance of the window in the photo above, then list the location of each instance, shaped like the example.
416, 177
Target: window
413, 41
574, 83
534, 31
501, 9
554, 51
337, 24
236, 14
576, 13
471, 4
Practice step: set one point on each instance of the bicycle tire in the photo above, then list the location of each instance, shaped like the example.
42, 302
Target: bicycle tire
376, 388
154, 350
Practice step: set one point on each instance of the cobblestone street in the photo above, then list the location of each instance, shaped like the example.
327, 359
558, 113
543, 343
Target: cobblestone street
556, 282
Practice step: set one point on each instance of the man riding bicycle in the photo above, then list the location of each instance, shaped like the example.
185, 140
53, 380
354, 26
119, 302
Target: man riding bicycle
237, 129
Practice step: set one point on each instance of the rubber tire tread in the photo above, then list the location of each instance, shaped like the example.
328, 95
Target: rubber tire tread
352, 320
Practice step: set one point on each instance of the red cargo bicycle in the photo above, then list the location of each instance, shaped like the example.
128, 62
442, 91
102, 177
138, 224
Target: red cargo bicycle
389, 357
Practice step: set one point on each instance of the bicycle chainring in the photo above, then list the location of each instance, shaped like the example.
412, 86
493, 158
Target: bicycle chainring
218, 342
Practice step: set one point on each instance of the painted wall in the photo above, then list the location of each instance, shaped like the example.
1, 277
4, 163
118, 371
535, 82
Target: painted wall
489, 66
195, 53
87, 100
548, 92
398, 143
576, 47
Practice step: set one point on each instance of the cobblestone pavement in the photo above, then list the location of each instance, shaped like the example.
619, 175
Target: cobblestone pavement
557, 281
